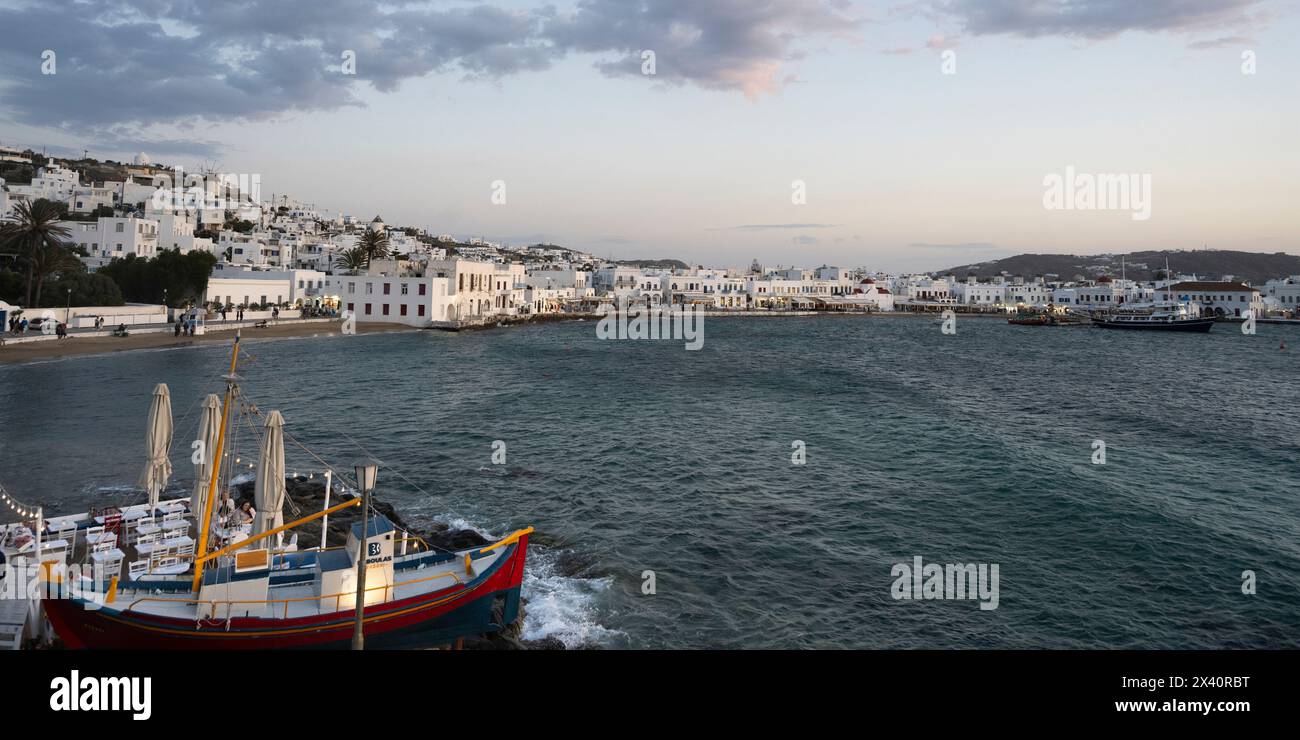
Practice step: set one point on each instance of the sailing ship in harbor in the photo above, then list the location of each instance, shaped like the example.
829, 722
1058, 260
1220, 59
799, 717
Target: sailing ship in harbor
188, 573
1156, 318
1169, 315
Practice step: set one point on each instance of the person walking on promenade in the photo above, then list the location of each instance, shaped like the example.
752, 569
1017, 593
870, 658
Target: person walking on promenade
61, 330
177, 329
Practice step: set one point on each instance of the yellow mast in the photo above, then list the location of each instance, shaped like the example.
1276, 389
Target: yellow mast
216, 469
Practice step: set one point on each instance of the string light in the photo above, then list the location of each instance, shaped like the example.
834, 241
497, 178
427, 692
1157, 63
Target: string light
16, 506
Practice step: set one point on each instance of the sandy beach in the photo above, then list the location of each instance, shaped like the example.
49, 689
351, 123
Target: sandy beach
15, 352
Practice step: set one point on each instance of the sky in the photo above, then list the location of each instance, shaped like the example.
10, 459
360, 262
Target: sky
922, 134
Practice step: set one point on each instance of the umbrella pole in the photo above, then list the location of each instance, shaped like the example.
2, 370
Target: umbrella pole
212, 486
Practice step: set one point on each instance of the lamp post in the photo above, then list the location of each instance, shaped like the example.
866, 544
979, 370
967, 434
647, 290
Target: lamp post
366, 472
67, 312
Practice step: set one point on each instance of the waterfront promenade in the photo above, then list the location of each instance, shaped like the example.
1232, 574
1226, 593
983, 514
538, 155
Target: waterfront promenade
32, 347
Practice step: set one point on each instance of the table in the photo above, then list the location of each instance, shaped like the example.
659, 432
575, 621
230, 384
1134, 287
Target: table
95, 539
109, 555
170, 570
172, 508
126, 516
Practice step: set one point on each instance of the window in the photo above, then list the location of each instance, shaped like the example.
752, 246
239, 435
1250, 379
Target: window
352, 307
420, 310
352, 287
367, 309
370, 288
119, 228
405, 288
403, 309
387, 288
421, 288
385, 309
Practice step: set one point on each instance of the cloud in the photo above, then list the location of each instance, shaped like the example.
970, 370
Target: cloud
1095, 19
133, 66
719, 45
969, 246
1222, 42
767, 227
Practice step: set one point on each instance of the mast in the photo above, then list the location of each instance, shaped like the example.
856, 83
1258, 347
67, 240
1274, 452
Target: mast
231, 386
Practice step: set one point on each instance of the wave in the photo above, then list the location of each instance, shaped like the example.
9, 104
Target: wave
565, 607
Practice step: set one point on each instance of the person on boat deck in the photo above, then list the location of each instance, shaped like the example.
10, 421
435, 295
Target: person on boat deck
245, 514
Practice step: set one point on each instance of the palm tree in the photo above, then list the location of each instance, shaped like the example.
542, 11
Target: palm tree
374, 244
353, 259
48, 259
35, 235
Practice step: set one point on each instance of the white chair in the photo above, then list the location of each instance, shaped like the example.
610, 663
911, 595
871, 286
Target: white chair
112, 566
64, 530
137, 568
93, 534
186, 551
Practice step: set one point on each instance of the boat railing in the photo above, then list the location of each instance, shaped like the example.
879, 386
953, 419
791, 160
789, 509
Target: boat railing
230, 603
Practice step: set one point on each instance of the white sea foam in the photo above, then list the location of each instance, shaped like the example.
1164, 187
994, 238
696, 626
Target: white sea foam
563, 607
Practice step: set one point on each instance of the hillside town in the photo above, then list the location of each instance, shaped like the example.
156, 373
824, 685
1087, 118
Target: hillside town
286, 258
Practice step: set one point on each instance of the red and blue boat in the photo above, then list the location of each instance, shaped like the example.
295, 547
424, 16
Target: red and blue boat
201, 579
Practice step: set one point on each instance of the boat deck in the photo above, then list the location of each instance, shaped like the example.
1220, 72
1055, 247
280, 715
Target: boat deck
13, 620
416, 575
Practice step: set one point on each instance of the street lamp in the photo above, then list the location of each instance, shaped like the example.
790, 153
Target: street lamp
67, 312
366, 471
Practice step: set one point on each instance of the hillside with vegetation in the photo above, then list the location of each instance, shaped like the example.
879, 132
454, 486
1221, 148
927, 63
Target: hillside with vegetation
1208, 264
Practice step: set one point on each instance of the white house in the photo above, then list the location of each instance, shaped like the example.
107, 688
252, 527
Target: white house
1217, 298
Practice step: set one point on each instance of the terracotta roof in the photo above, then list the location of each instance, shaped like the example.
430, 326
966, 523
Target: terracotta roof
1209, 287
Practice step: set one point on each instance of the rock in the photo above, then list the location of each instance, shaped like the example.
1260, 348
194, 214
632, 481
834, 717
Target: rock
306, 496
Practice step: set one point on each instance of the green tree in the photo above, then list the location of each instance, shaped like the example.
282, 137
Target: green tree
353, 259
35, 235
88, 289
177, 278
374, 244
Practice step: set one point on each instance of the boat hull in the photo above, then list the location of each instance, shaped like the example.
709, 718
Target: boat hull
486, 604
1200, 325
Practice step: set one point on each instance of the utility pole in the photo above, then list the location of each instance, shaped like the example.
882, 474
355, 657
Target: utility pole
366, 480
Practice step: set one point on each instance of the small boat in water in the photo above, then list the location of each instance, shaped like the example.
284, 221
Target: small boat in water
1046, 317
199, 577
1173, 317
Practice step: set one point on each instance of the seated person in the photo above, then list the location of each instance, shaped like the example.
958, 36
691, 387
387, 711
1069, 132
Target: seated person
245, 514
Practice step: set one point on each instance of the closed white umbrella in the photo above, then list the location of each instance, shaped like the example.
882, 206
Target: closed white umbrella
268, 491
158, 445
209, 429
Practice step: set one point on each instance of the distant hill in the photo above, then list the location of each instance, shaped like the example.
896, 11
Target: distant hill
669, 264
1210, 264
